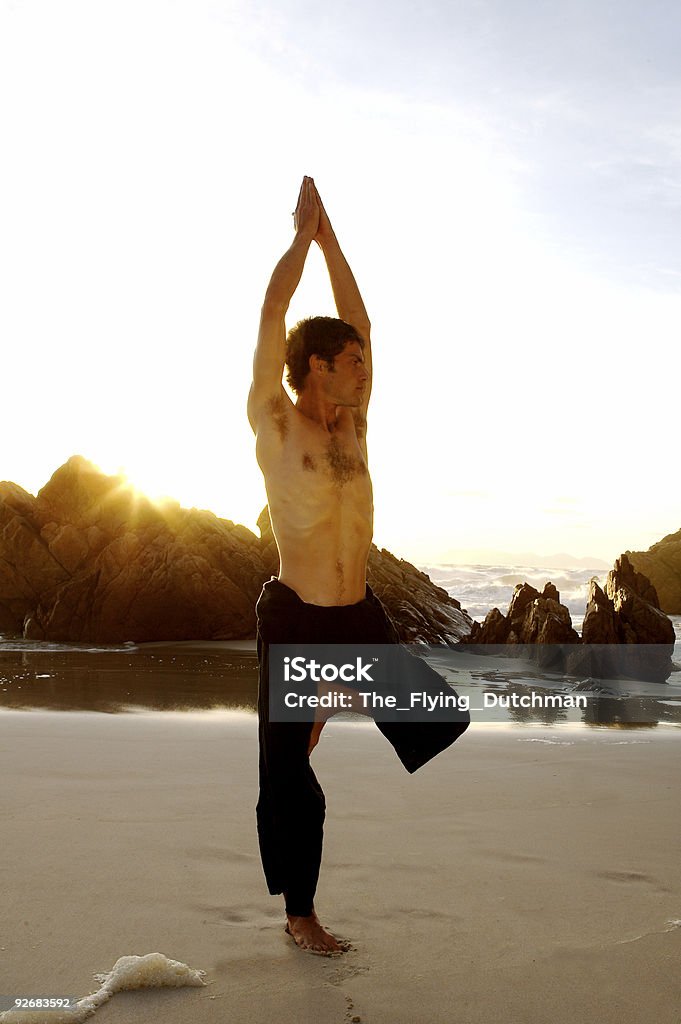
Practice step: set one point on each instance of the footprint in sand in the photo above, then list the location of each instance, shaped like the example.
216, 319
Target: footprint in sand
630, 876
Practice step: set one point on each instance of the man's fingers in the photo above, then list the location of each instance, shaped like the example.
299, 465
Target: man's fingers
306, 193
319, 198
323, 215
310, 196
307, 213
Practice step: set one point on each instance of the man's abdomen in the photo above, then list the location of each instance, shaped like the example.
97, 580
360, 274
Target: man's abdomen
323, 532
326, 565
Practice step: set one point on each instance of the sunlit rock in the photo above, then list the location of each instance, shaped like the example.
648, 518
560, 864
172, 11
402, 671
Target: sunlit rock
661, 563
91, 559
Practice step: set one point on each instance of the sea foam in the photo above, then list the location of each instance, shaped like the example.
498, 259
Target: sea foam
129, 972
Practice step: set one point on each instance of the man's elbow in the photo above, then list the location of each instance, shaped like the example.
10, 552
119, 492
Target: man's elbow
274, 306
362, 325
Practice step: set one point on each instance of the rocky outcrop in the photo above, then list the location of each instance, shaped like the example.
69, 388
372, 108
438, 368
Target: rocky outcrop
27, 566
536, 626
532, 618
625, 634
661, 563
627, 614
90, 559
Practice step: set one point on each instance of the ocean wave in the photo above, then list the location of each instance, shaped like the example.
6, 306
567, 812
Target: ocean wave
16, 644
480, 588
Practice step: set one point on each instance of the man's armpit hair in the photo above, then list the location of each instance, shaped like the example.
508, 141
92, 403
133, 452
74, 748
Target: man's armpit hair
276, 408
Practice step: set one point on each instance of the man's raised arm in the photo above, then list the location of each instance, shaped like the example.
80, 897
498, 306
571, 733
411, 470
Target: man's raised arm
270, 351
345, 291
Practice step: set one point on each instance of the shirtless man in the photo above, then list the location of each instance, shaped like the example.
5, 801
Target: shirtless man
314, 459
313, 454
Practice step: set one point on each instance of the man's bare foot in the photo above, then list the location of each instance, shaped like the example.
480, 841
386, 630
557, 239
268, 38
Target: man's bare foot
308, 933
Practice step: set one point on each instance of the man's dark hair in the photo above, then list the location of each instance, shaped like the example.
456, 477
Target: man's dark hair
322, 336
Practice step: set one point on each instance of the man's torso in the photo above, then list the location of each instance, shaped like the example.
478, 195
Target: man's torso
320, 500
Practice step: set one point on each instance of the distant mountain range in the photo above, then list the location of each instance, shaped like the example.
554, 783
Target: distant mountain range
485, 556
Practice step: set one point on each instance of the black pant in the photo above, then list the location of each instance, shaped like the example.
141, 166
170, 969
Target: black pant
291, 805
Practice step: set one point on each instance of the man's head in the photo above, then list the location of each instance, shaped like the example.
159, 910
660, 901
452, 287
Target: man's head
323, 337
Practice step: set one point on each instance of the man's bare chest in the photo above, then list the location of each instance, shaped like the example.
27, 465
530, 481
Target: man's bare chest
311, 459
336, 460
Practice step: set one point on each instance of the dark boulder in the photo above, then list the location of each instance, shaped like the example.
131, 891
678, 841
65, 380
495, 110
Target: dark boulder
625, 634
628, 615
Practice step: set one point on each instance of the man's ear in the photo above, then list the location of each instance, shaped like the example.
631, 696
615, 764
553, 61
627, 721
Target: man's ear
318, 365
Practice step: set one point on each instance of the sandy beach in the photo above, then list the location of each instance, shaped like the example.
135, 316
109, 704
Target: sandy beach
528, 874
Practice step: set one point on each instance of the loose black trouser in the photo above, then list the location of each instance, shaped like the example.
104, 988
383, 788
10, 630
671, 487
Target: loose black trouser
291, 806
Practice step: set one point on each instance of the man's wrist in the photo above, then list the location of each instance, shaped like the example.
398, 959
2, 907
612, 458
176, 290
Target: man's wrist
327, 241
303, 239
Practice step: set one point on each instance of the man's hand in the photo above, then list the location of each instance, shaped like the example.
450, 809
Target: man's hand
324, 232
306, 215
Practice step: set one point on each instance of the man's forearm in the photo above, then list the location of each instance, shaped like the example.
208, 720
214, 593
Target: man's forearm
287, 273
345, 291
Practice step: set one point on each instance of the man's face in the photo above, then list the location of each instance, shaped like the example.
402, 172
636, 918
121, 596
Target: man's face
346, 384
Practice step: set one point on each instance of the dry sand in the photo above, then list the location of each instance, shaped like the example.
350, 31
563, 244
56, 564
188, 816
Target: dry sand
525, 875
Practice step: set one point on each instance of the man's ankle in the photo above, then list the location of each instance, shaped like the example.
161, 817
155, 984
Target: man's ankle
299, 910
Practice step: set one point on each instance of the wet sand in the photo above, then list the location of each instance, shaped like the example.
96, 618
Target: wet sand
527, 874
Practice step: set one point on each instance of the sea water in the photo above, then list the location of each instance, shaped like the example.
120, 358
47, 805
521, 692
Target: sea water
214, 677
620, 703
479, 588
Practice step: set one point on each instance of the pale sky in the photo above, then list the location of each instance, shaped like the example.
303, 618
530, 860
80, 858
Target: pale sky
504, 178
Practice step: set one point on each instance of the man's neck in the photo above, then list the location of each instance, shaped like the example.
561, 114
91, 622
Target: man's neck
317, 409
